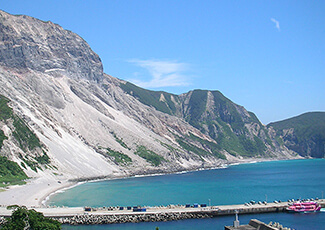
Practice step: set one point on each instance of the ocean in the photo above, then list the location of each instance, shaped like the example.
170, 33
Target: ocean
237, 184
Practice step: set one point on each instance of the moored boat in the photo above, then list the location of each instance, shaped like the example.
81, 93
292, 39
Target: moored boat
309, 206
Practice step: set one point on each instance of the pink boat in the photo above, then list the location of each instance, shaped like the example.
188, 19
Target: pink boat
309, 206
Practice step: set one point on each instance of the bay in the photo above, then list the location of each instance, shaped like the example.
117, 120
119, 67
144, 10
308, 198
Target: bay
237, 184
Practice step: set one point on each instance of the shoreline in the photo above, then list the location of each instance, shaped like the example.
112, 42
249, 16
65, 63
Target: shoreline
223, 166
38, 191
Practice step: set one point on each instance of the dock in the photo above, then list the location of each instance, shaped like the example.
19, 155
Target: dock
109, 215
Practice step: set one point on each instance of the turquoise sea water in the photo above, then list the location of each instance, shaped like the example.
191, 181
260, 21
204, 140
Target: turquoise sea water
280, 180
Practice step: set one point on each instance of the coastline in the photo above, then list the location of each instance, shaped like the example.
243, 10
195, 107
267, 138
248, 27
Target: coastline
223, 166
37, 192
32, 193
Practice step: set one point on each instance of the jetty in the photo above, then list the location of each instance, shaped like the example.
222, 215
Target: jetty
110, 215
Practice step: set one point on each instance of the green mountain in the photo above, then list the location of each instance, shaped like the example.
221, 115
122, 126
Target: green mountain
234, 129
304, 134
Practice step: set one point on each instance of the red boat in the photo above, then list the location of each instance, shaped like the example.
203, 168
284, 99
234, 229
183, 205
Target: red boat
309, 206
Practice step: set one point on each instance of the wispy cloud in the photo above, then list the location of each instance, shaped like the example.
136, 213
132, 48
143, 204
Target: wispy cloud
277, 23
162, 73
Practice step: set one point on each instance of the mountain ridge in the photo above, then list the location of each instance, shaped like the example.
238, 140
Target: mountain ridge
304, 134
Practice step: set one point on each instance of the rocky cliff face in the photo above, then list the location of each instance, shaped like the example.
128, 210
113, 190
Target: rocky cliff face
28, 43
90, 124
304, 134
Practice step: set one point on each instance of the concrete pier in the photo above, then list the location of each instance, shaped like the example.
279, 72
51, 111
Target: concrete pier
109, 215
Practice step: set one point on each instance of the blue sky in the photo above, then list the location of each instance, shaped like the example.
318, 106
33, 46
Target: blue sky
268, 56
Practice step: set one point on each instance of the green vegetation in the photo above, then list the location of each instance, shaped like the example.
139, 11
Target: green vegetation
213, 147
149, 155
32, 164
119, 158
238, 144
44, 159
191, 148
2, 138
22, 218
120, 141
11, 207
305, 126
225, 124
224, 121
307, 133
152, 98
23, 165
197, 106
167, 146
10, 172
26, 138
210, 148
5, 111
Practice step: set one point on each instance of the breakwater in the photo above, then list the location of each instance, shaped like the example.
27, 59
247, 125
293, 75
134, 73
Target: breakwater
132, 218
112, 215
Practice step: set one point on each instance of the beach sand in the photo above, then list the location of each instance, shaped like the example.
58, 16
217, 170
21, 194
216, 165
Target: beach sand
33, 193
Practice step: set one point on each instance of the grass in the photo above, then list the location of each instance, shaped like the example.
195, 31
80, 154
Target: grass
149, 155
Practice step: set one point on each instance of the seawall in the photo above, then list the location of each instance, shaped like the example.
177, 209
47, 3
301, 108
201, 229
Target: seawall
110, 215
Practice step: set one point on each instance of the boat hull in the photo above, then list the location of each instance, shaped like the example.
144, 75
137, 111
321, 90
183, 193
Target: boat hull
304, 207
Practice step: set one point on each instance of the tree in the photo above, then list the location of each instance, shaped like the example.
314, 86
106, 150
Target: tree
24, 219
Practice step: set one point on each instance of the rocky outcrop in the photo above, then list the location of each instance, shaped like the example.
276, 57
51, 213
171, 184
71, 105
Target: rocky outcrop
28, 43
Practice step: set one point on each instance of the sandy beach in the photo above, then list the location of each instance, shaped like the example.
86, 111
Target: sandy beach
33, 193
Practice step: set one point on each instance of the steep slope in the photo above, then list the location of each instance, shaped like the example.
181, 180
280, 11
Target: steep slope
86, 124
232, 127
304, 134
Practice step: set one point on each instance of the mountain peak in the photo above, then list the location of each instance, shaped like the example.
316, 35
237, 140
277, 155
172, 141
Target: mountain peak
27, 43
